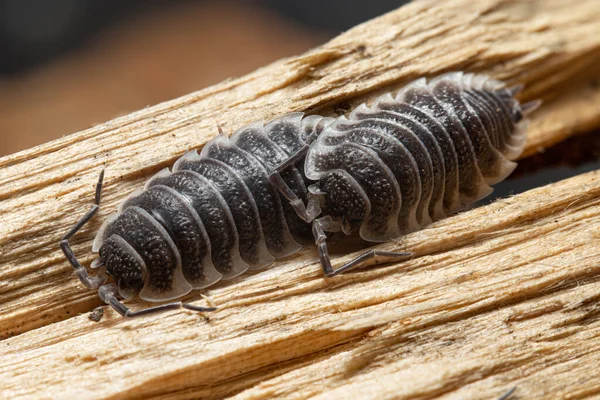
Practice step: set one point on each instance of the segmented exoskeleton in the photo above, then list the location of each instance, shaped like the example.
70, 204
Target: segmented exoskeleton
385, 170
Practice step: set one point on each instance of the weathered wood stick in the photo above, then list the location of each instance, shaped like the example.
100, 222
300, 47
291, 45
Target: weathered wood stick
503, 295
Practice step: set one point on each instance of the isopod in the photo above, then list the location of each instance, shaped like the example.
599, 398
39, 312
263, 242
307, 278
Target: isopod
385, 170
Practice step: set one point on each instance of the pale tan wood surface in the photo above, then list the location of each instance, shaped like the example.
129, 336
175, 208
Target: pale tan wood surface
503, 295
440, 325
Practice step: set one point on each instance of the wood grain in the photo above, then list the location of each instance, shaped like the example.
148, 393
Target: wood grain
497, 296
488, 303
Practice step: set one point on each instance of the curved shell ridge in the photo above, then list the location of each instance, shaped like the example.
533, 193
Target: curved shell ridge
140, 261
425, 191
392, 231
316, 151
217, 140
403, 113
259, 125
362, 108
384, 98
401, 147
501, 167
239, 266
211, 275
124, 204
260, 146
100, 235
420, 83
289, 245
191, 155
312, 126
160, 174
443, 136
479, 188
437, 206
179, 285
264, 258
292, 246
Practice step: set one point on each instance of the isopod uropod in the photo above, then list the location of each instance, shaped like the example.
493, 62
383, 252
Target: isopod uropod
385, 170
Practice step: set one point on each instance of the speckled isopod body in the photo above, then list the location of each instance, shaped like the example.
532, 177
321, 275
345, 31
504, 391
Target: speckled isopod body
385, 170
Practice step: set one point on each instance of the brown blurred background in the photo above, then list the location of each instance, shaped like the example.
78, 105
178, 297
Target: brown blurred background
66, 65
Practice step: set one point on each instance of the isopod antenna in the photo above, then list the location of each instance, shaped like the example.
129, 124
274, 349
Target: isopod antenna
109, 292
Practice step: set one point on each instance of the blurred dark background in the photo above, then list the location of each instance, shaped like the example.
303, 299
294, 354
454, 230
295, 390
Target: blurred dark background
66, 65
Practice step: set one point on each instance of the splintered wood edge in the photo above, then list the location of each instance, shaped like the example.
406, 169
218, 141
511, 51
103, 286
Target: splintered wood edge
551, 46
505, 295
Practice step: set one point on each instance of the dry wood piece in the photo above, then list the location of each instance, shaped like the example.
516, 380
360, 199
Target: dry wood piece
500, 296
488, 304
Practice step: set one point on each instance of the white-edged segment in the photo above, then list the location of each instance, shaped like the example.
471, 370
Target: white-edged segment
211, 275
290, 145
258, 125
392, 231
502, 166
264, 256
191, 155
163, 173
420, 83
293, 118
424, 218
99, 238
239, 266
316, 191
515, 143
482, 188
453, 196
438, 210
290, 246
222, 140
488, 85
129, 293
311, 124
179, 286
315, 151
471, 81
412, 223
487, 107
384, 98
520, 134
123, 205
318, 150
259, 130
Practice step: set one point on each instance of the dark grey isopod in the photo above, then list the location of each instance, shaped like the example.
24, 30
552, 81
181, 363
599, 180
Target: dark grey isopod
385, 170
468, 129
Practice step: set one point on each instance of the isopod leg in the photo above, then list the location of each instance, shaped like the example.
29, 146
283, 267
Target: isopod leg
507, 395
89, 281
108, 294
307, 213
294, 158
327, 224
